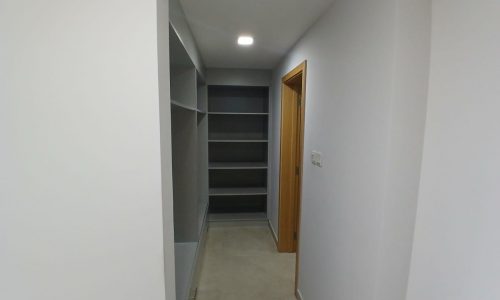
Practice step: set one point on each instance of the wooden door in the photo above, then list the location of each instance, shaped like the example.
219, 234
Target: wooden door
292, 114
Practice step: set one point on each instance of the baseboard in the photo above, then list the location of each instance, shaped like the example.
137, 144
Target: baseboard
275, 236
298, 295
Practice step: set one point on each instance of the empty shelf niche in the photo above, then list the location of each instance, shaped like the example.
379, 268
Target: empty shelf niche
185, 182
237, 153
248, 186
238, 204
183, 81
238, 99
237, 127
238, 178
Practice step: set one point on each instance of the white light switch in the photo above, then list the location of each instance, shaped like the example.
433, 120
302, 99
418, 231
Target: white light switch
316, 159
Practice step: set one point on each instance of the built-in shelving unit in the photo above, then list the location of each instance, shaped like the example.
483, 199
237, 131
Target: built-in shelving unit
238, 120
189, 164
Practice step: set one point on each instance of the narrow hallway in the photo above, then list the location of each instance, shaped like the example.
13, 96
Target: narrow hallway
241, 262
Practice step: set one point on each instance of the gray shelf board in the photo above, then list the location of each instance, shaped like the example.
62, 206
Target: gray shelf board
201, 111
178, 104
238, 141
238, 191
237, 217
185, 255
238, 113
237, 165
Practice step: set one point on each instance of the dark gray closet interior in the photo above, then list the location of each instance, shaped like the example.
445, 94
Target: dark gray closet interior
219, 134
238, 121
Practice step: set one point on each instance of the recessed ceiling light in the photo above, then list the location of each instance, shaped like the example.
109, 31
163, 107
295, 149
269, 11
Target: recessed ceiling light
245, 40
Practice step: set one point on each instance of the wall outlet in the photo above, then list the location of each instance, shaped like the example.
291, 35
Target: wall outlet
316, 159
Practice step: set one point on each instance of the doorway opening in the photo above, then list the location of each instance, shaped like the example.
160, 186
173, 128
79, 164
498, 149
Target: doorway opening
293, 87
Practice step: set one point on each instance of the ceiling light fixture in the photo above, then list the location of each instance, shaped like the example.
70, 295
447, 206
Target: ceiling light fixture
245, 40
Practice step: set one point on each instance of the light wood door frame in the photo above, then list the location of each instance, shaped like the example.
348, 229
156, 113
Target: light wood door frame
293, 91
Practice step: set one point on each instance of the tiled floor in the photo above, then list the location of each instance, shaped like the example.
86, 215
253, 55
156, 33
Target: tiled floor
241, 263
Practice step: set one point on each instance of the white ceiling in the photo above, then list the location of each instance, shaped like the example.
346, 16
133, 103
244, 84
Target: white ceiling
275, 25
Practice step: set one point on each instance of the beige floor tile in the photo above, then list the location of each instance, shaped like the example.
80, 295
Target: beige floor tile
241, 262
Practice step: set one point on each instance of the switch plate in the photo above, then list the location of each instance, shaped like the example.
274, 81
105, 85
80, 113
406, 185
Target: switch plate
316, 159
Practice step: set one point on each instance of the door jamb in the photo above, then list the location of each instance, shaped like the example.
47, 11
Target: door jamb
299, 70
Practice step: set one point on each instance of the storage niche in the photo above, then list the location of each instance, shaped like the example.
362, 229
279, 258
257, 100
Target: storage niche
238, 122
189, 124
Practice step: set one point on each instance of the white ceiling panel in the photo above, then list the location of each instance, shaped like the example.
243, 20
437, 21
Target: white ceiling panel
275, 25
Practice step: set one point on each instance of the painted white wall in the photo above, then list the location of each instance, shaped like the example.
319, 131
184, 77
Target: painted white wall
80, 176
456, 252
365, 110
406, 133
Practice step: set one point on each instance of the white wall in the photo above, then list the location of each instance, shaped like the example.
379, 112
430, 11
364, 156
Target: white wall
456, 252
80, 178
408, 107
365, 110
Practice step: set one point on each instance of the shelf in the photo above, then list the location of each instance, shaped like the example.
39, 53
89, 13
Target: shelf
237, 165
219, 217
239, 113
183, 106
237, 191
238, 141
186, 107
